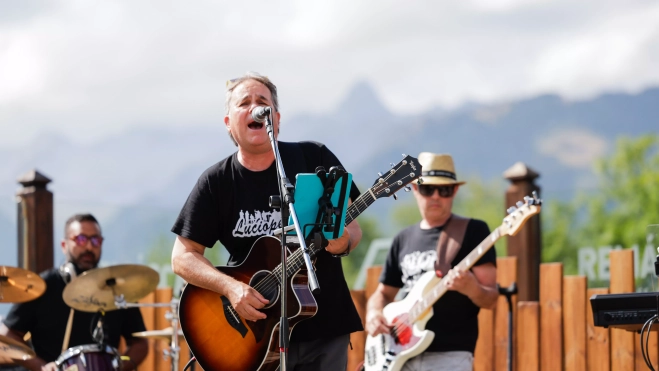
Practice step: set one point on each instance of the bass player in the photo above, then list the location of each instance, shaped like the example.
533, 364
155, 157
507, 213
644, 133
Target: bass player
414, 251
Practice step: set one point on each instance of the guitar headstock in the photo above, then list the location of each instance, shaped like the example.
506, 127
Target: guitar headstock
519, 214
399, 176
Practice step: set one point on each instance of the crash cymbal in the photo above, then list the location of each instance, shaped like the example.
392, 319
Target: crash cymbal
95, 290
11, 349
164, 334
18, 285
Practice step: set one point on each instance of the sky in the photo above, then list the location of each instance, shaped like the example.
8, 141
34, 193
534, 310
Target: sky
87, 69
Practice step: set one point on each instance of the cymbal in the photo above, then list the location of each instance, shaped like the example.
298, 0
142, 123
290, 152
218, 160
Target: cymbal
18, 285
95, 289
11, 349
164, 334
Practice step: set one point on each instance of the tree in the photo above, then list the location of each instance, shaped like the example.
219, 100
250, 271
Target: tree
615, 213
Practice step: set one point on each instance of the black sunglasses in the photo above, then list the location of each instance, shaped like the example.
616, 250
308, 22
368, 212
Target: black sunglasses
81, 240
443, 190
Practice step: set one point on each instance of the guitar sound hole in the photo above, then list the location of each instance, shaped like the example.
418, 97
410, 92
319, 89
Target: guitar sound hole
267, 285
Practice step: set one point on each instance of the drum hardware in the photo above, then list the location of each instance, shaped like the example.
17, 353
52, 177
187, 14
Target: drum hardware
11, 350
91, 357
172, 316
18, 285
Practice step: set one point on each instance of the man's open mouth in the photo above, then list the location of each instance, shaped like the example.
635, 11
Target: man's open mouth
255, 125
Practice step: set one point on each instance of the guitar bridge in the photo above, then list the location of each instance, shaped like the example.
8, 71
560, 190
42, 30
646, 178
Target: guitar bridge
232, 317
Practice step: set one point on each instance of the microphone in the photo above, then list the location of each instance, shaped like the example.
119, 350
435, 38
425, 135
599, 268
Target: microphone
260, 113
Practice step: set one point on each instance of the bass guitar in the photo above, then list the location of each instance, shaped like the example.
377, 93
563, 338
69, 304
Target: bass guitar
220, 339
409, 316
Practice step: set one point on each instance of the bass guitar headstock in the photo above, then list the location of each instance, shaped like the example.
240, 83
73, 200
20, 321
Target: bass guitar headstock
520, 214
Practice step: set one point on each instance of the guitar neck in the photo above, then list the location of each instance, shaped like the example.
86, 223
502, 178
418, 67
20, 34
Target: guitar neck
427, 301
296, 260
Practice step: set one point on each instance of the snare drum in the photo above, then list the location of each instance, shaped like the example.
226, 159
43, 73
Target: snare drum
89, 358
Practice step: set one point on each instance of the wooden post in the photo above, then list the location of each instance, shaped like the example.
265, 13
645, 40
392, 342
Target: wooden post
599, 341
528, 335
163, 295
484, 353
551, 319
622, 281
574, 322
526, 244
35, 223
149, 316
506, 275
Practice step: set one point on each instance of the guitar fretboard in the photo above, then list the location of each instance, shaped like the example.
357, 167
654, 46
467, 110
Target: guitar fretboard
296, 260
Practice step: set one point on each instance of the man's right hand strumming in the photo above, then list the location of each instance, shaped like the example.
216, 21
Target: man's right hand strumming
246, 301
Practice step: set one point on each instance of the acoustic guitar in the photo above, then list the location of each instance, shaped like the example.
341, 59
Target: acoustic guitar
220, 339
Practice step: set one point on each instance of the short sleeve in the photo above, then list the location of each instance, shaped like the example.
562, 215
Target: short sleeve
199, 217
391, 273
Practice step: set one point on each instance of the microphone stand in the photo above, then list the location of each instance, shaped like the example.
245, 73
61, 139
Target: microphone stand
286, 199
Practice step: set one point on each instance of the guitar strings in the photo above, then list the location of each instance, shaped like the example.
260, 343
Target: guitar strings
271, 283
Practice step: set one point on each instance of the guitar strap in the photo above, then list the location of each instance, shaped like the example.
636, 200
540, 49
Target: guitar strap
449, 243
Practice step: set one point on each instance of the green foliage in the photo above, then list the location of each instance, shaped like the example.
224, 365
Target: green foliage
617, 212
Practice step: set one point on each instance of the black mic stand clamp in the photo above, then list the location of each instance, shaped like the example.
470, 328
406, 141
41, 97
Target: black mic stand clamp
286, 205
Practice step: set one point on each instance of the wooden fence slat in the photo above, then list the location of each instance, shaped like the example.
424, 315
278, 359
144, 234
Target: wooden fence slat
372, 280
484, 353
574, 322
506, 275
149, 316
163, 295
599, 339
551, 318
528, 335
357, 339
621, 268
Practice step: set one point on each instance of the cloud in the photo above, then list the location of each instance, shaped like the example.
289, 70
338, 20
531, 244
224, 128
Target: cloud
576, 148
88, 69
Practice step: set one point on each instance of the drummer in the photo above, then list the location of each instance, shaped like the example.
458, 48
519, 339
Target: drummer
46, 317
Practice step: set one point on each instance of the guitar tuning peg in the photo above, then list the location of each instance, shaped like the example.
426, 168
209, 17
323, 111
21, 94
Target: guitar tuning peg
511, 209
404, 155
379, 174
395, 197
391, 164
419, 181
519, 204
407, 188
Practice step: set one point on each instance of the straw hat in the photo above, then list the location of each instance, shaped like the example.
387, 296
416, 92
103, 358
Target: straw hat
437, 169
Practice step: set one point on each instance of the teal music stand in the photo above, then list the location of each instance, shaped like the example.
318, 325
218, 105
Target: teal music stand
308, 190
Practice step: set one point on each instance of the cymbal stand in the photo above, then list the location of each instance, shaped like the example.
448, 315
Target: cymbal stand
171, 316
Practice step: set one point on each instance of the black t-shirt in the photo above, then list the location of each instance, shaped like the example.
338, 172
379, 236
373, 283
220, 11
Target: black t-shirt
414, 252
230, 204
46, 318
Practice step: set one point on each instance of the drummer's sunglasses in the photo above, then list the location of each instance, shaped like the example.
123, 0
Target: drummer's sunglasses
444, 190
81, 240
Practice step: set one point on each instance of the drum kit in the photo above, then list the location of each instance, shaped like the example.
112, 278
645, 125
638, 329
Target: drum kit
97, 290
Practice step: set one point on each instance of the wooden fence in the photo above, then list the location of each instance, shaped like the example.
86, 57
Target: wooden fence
554, 333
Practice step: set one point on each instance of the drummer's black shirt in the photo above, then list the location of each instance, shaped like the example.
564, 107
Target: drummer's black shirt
46, 318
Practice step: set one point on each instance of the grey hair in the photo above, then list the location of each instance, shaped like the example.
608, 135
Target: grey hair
233, 83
